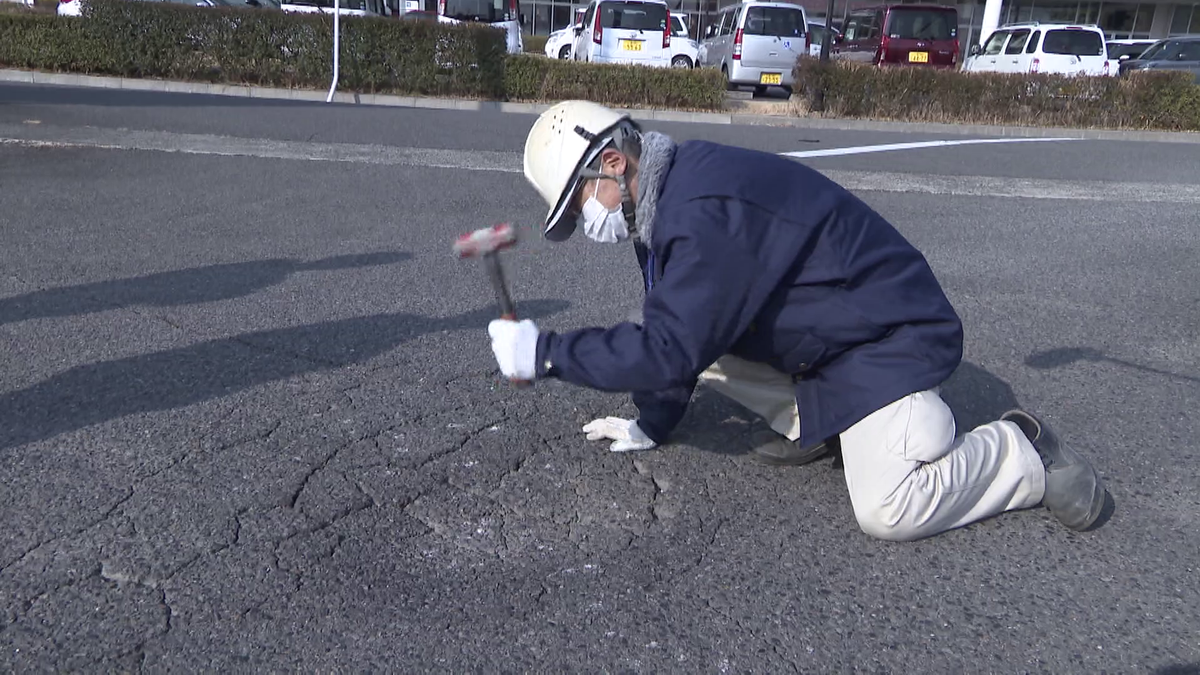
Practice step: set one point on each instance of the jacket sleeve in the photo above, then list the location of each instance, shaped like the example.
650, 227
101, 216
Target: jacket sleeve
659, 412
712, 287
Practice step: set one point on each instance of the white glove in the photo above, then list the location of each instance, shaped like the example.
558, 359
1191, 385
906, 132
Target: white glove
625, 434
515, 346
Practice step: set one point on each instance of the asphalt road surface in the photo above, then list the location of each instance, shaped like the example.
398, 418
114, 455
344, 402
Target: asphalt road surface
249, 417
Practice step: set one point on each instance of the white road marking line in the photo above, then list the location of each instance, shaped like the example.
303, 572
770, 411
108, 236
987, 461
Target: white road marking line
1030, 188
510, 162
887, 147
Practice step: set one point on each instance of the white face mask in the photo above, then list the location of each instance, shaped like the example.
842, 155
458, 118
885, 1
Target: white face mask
600, 224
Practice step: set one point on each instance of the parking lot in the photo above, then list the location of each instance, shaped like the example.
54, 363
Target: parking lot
250, 419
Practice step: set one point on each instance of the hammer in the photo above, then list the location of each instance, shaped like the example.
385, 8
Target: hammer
486, 243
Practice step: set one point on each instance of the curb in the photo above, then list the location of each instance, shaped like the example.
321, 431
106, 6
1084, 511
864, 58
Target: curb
729, 118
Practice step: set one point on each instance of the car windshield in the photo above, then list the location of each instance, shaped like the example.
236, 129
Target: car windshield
774, 22
1073, 42
922, 24
1116, 50
486, 11
633, 15
1176, 50
1154, 50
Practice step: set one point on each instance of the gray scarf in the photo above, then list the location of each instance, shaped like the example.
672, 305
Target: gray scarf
658, 152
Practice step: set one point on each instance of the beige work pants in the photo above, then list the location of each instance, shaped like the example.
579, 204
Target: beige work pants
908, 474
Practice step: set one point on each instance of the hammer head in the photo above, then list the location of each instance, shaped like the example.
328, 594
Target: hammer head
485, 240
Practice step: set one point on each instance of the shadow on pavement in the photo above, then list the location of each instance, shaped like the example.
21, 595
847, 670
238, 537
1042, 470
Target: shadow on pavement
177, 378
178, 287
1065, 356
1179, 669
717, 424
975, 396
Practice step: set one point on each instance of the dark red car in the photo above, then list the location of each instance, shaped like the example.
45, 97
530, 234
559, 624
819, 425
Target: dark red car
917, 35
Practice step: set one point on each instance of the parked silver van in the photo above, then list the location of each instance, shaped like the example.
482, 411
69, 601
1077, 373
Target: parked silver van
756, 43
625, 31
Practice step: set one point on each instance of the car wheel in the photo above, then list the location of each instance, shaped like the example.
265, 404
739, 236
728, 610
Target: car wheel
565, 52
681, 61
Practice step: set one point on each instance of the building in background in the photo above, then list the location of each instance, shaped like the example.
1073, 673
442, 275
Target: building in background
1118, 20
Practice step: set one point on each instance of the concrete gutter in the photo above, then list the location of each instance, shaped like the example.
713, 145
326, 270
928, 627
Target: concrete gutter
734, 117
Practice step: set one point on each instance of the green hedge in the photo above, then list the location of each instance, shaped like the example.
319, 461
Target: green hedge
535, 44
534, 78
378, 55
1146, 100
246, 46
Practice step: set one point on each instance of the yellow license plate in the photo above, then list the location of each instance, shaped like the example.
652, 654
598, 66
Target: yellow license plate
631, 45
770, 78
918, 57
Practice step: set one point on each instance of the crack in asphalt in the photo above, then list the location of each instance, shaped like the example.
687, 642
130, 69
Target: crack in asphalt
237, 532
471, 435
140, 647
313, 471
573, 472
644, 471
103, 517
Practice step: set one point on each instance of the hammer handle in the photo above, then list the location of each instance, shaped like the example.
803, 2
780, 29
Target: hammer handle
507, 310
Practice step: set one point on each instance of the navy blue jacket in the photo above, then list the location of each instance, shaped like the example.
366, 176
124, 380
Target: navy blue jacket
759, 256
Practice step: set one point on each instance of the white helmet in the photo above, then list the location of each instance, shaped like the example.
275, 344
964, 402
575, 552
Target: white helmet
565, 139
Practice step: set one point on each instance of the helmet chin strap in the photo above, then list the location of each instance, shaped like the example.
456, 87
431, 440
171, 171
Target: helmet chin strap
627, 207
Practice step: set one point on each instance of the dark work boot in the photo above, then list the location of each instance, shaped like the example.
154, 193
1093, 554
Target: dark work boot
1074, 491
776, 450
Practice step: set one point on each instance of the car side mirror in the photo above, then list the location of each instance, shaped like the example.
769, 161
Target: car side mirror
1124, 57
975, 50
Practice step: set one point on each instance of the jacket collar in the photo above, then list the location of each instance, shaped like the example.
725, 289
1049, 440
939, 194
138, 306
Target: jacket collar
658, 153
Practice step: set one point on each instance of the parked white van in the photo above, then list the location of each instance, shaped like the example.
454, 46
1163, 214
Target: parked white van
756, 43
1059, 48
625, 31
502, 14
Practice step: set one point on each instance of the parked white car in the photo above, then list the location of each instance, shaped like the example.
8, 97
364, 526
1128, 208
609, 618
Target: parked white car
1059, 48
685, 51
817, 30
625, 31
558, 43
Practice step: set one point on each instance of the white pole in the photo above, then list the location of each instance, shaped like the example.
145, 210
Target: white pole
991, 20
336, 30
